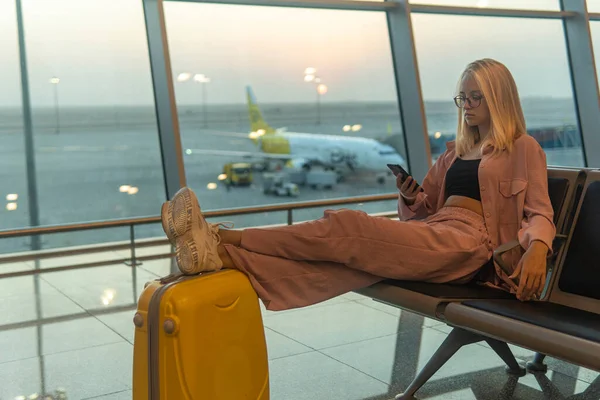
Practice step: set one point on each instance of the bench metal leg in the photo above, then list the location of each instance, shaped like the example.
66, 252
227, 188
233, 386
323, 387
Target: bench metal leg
537, 365
549, 390
502, 349
455, 340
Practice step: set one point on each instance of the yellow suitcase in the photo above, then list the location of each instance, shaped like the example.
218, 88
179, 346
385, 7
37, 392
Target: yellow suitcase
200, 338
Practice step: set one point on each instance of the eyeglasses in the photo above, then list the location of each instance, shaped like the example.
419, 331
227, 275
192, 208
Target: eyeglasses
474, 101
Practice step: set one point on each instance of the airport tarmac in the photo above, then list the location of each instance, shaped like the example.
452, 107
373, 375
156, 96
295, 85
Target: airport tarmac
83, 170
79, 178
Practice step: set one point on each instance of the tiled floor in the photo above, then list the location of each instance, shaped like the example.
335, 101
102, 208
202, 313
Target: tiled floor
347, 348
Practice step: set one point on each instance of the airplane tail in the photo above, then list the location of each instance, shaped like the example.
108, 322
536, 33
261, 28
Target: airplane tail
258, 125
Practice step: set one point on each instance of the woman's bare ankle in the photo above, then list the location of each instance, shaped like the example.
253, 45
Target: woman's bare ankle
225, 257
232, 237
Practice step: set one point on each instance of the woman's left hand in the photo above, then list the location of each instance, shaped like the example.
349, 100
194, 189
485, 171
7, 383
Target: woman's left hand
533, 272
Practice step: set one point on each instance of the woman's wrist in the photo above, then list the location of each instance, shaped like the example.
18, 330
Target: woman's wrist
539, 246
409, 201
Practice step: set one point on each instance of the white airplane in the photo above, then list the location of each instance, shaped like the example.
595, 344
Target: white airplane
304, 150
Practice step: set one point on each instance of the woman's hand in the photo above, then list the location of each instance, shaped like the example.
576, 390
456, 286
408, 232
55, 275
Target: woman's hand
532, 271
408, 189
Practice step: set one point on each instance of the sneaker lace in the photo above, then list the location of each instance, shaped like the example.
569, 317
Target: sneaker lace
214, 229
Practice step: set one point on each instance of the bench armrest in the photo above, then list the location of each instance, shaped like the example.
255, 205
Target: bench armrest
501, 250
559, 241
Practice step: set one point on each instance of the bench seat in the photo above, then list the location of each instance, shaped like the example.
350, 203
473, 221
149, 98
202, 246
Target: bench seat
564, 332
427, 299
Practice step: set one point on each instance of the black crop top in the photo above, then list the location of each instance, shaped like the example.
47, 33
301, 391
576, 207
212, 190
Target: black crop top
462, 179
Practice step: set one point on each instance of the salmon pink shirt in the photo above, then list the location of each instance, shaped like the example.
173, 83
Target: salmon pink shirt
514, 195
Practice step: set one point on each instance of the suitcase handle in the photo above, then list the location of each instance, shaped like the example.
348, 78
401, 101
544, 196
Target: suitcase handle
174, 277
170, 278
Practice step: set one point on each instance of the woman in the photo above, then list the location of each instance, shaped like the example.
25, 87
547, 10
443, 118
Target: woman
489, 187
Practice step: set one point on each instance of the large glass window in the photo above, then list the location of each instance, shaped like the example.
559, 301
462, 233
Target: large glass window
13, 175
539, 66
595, 30
96, 141
295, 108
548, 5
593, 6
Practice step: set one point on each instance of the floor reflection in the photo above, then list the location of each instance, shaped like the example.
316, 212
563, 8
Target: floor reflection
88, 354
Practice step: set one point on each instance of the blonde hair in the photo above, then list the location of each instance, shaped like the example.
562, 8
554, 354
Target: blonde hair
499, 89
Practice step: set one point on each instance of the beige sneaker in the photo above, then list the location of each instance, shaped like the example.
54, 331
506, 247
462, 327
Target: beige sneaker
195, 240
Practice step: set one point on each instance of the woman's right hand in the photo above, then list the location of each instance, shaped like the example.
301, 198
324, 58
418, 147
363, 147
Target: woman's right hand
408, 189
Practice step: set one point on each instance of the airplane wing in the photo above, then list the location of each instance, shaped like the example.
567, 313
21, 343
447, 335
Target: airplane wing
243, 154
225, 133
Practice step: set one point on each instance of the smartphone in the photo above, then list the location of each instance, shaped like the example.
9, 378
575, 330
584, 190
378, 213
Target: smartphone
398, 170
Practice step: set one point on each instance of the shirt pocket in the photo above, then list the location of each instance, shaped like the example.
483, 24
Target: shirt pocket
512, 200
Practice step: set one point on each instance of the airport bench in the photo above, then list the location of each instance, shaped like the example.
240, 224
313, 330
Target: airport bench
567, 324
464, 306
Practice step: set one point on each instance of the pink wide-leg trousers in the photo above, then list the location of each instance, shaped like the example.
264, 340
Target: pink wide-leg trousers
303, 264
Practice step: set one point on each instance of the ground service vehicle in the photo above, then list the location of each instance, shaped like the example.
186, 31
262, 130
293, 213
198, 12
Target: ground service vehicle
238, 174
279, 185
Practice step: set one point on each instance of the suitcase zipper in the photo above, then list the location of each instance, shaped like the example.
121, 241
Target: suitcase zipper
153, 332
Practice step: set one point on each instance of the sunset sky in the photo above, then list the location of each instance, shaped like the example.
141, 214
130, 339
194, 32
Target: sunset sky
98, 50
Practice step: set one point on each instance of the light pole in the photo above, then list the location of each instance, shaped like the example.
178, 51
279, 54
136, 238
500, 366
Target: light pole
55, 81
202, 80
310, 76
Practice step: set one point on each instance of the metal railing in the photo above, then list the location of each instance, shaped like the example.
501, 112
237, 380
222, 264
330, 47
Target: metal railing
132, 245
489, 11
